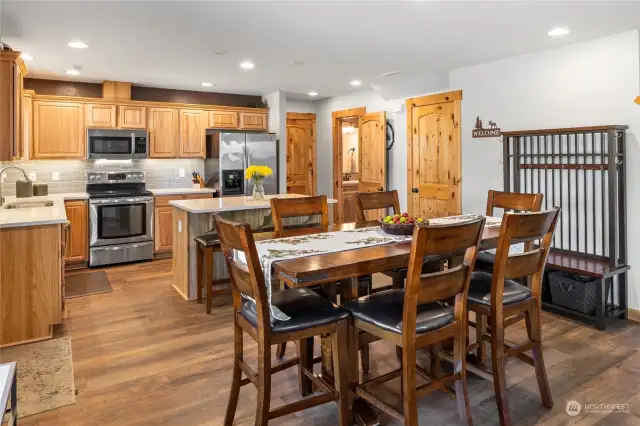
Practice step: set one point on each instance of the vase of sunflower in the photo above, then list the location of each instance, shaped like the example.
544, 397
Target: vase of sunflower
257, 174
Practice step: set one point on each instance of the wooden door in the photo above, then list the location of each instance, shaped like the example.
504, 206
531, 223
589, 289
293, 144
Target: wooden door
101, 116
163, 132
78, 215
223, 119
58, 130
132, 117
193, 128
301, 154
373, 156
434, 155
253, 120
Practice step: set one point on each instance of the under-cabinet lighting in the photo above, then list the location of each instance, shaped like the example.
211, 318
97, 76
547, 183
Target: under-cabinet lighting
559, 32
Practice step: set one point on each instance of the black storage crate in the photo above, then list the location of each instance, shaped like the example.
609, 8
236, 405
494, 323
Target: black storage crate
572, 291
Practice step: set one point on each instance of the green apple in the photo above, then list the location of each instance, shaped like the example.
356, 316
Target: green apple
403, 219
387, 219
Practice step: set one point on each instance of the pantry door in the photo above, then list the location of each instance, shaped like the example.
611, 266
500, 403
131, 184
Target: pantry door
372, 152
301, 153
433, 155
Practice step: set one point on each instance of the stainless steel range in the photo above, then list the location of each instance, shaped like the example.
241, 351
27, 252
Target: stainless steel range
120, 217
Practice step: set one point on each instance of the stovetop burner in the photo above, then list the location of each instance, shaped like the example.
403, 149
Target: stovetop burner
116, 193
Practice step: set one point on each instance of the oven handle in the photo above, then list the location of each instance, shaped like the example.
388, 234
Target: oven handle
121, 200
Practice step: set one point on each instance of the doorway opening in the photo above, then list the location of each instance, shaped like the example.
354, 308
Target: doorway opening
346, 162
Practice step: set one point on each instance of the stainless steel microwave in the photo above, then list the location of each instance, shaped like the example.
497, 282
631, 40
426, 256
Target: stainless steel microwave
112, 144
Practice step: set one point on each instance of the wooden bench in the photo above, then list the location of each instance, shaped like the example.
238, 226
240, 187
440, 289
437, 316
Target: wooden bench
599, 268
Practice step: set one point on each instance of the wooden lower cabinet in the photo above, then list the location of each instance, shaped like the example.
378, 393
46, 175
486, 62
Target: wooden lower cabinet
162, 225
78, 216
349, 199
163, 220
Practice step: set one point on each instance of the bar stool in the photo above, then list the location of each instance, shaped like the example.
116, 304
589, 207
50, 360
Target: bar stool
206, 245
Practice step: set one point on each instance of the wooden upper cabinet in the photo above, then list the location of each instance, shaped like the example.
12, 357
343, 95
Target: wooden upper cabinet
163, 132
27, 123
101, 116
132, 117
12, 71
253, 120
193, 129
58, 130
223, 119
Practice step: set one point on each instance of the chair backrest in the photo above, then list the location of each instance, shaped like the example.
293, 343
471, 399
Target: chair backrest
366, 201
299, 207
440, 240
516, 228
245, 278
513, 201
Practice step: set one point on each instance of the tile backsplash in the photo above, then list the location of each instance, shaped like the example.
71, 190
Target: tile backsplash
72, 176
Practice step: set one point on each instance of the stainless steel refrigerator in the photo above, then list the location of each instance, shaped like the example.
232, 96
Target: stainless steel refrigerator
236, 151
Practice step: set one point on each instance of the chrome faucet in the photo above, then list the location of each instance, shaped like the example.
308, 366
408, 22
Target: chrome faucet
2, 170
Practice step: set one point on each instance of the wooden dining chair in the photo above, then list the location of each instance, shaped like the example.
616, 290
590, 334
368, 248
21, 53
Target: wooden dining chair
510, 202
367, 202
417, 317
283, 208
311, 315
504, 301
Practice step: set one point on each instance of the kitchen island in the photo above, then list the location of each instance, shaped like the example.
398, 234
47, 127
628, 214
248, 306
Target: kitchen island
193, 217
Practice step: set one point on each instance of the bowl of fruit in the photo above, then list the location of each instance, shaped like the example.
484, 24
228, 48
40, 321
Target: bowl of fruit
399, 224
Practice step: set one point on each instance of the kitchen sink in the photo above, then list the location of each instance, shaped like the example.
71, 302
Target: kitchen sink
27, 204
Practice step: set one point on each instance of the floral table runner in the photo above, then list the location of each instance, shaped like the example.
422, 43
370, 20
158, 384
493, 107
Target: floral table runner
270, 251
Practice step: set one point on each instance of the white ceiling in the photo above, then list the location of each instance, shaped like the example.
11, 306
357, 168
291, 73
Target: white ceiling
174, 44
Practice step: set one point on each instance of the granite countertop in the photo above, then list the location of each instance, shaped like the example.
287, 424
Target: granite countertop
227, 204
182, 191
51, 215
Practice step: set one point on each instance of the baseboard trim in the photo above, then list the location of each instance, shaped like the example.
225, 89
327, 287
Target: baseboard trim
633, 315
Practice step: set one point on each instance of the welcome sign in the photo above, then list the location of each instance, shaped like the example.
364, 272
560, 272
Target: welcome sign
480, 132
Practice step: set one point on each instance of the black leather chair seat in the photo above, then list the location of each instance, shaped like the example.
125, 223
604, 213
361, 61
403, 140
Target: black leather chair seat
306, 309
208, 240
384, 309
480, 290
485, 261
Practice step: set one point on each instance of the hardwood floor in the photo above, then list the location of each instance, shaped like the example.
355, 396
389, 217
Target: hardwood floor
143, 356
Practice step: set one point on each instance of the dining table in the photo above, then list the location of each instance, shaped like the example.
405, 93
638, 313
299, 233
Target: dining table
346, 267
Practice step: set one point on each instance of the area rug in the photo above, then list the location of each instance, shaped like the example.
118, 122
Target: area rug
86, 283
45, 375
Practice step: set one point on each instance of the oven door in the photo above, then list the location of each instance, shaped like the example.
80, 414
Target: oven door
111, 144
120, 220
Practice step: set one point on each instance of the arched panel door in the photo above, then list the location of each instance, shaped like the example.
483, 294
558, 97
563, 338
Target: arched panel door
373, 156
301, 141
434, 173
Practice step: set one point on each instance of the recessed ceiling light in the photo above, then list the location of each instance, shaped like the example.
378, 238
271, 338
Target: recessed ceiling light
25, 56
77, 44
247, 65
74, 71
313, 93
219, 52
206, 84
559, 32
298, 63
355, 83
